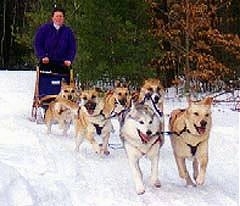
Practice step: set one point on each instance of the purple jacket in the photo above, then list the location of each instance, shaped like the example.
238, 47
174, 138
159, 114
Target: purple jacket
58, 45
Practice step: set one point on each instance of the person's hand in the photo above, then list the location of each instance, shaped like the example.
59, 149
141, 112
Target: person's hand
67, 63
45, 60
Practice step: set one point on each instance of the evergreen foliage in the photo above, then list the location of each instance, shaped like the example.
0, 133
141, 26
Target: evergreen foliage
114, 40
113, 37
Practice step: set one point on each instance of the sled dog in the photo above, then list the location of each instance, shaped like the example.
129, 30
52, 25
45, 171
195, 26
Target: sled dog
61, 111
93, 121
141, 136
152, 93
69, 92
122, 93
58, 110
190, 130
97, 119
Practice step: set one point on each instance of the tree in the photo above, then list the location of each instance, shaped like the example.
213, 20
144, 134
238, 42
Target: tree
24, 33
3, 34
188, 30
114, 40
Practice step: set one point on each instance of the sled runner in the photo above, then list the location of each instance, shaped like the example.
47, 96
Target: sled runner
47, 87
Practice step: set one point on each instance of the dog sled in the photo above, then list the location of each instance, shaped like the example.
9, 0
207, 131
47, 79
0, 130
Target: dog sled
47, 87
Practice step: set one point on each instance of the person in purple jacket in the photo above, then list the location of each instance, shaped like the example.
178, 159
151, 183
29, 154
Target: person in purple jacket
55, 44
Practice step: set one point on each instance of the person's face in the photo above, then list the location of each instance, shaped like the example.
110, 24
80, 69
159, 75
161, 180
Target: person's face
58, 18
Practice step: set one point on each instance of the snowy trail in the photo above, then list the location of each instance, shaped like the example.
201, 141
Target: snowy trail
39, 169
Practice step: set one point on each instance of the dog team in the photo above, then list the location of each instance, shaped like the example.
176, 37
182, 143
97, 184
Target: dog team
141, 119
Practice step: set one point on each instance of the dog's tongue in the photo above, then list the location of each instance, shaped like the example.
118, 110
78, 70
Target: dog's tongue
201, 130
145, 138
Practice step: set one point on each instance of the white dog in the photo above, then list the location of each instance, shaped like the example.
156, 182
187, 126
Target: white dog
141, 135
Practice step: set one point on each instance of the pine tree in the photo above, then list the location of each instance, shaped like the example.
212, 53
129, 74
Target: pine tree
114, 40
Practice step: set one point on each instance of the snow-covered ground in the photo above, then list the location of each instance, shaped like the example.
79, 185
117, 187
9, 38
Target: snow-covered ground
39, 169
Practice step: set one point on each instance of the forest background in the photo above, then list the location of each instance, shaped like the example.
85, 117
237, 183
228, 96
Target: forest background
174, 40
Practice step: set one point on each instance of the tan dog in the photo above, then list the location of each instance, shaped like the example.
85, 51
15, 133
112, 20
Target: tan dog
97, 119
88, 123
60, 111
152, 93
69, 92
92, 100
122, 94
190, 133
101, 108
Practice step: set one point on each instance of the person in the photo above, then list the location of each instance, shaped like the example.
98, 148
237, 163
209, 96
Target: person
55, 44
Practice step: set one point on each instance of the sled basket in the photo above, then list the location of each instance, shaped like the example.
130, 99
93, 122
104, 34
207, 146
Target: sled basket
47, 87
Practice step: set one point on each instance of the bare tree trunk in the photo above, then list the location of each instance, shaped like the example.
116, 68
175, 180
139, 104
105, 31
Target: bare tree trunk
13, 25
3, 33
187, 66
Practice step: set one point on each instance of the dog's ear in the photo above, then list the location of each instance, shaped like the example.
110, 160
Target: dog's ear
207, 101
126, 85
72, 84
117, 83
188, 99
135, 96
142, 94
109, 92
63, 82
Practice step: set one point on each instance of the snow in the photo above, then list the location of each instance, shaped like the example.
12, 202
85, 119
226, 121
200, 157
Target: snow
39, 169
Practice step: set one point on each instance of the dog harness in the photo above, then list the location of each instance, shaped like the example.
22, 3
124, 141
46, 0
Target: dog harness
185, 129
154, 107
98, 129
157, 140
193, 149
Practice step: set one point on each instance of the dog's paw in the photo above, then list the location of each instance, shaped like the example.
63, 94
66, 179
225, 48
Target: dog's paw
189, 182
140, 189
156, 183
106, 152
140, 192
200, 180
190, 186
98, 150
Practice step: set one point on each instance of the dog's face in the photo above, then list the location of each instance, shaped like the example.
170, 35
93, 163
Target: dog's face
151, 90
122, 95
116, 100
144, 123
68, 91
198, 116
90, 99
